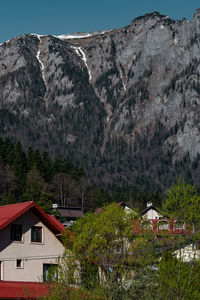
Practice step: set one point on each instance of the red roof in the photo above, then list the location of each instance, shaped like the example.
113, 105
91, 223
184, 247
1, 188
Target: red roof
56, 222
22, 290
9, 213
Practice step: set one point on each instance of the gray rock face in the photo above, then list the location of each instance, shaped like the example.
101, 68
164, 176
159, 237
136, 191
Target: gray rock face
124, 103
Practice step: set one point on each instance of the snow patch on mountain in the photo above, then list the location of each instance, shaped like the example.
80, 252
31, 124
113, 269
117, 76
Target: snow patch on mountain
83, 35
82, 55
74, 36
5, 42
121, 77
41, 63
38, 35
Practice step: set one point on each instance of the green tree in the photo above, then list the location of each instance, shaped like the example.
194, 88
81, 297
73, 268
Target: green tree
19, 167
30, 158
106, 255
183, 203
47, 167
34, 186
36, 190
178, 280
45, 202
7, 183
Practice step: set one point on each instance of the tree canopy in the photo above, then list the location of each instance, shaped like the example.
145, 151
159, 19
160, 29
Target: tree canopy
183, 202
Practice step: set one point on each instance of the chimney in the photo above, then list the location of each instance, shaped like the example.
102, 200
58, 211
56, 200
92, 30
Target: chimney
149, 204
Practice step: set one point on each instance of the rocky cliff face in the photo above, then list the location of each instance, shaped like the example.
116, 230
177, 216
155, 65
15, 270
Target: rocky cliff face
124, 103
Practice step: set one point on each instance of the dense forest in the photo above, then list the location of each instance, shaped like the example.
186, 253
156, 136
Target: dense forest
34, 176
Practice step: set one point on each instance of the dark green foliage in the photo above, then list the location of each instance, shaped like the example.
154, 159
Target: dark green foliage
26, 176
19, 167
34, 177
120, 195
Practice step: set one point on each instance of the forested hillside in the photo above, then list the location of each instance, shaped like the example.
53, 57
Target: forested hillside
32, 176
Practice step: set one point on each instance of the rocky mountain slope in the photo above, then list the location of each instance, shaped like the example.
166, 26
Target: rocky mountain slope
123, 103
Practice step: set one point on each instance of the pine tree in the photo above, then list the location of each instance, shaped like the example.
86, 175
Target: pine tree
19, 167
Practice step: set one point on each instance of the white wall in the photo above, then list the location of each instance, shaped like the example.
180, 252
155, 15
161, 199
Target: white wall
128, 209
188, 253
152, 214
34, 255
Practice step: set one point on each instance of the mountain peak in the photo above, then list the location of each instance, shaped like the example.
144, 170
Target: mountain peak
122, 104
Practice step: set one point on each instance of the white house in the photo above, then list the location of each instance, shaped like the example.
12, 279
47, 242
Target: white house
150, 212
189, 253
29, 242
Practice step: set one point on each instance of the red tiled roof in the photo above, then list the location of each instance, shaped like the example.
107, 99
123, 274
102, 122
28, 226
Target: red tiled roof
9, 213
56, 222
22, 290
33, 290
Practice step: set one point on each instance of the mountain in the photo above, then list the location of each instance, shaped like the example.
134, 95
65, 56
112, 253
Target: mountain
122, 103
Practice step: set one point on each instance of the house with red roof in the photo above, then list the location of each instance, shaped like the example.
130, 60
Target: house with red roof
30, 243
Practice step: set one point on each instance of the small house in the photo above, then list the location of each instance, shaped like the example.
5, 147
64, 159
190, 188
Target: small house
30, 242
150, 212
68, 215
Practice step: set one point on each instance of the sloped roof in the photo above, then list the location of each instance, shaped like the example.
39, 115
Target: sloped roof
9, 213
144, 211
121, 204
59, 226
22, 290
70, 212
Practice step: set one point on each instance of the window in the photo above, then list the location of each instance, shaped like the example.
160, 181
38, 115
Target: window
131, 274
146, 224
50, 272
179, 225
19, 263
196, 245
163, 225
16, 232
36, 234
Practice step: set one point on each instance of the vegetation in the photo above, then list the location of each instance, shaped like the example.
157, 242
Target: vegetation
183, 203
33, 176
104, 258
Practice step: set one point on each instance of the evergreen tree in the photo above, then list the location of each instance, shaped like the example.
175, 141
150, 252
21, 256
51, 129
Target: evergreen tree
47, 167
30, 158
37, 161
45, 202
19, 167
34, 186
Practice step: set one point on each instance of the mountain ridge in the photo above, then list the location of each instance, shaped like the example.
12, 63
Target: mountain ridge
123, 103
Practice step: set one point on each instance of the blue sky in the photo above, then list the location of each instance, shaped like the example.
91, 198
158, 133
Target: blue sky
63, 16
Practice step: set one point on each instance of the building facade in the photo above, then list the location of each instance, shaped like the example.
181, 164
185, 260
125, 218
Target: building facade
29, 242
